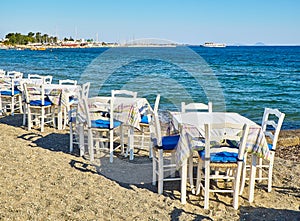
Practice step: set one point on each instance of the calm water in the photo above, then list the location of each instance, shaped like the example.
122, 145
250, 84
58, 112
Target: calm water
238, 79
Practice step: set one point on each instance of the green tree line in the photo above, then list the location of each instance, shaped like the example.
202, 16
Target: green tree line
19, 39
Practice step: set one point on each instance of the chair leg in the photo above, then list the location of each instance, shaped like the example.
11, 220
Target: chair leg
236, 187
191, 176
71, 138
91, 145
199, 177
122, 139
29, 119
20, 104
243, 178
42, 119
12, 106
270, 172
154, 161
160, 172
150, 149
111, 146
206, 185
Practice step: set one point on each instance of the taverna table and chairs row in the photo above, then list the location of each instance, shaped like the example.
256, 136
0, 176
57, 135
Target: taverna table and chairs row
227, 149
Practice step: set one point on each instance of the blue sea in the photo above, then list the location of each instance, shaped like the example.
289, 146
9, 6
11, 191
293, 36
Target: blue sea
236, 79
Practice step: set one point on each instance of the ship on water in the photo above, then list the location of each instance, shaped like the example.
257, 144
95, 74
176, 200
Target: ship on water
213, 45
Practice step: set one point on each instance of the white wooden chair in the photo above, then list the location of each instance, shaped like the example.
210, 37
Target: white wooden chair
224, 151
76, 128
163, 158
142, 138
196, 107
271, 126
11, 96
72, 101
101, 129
38, 108
130, 94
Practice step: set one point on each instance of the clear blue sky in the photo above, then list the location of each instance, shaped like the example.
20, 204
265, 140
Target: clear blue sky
185, 21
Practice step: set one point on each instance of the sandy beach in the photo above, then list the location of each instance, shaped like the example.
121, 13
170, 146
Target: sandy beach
41, 180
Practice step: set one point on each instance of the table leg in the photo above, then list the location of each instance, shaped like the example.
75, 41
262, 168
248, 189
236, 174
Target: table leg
252, 178
183, 181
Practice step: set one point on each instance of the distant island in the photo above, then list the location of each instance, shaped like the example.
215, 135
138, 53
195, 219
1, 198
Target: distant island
259, 44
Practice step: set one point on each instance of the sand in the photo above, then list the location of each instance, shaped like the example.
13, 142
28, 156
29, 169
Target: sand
41, 180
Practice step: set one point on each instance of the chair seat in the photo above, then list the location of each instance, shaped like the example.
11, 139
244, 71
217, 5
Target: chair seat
39, 103
170, 142
220, 157
144, 119
9, 92
105, 124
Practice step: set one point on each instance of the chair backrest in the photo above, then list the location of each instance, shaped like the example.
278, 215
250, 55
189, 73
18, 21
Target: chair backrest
48, 79
67, 81
34, 92
85, 90
88, 105
154, 125
271, 124
218, 136
156, 104
196, 107
44, 79
35, 76
14, 74
123, 93
155, 129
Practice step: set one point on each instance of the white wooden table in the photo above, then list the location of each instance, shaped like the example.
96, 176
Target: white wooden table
192, 124
126, 110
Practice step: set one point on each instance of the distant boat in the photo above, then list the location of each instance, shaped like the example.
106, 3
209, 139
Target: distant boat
213, 45
69, 44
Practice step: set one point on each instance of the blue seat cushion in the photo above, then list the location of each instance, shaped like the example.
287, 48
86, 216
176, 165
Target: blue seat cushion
170, 142
144, 119
9, 92
221, 157
104, 124
270, 146
39, 103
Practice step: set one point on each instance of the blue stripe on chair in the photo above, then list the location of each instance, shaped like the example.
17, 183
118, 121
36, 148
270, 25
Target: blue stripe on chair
104, 124
221, 157
144, 119
72, 119
9, 93
170, 142
39, 103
